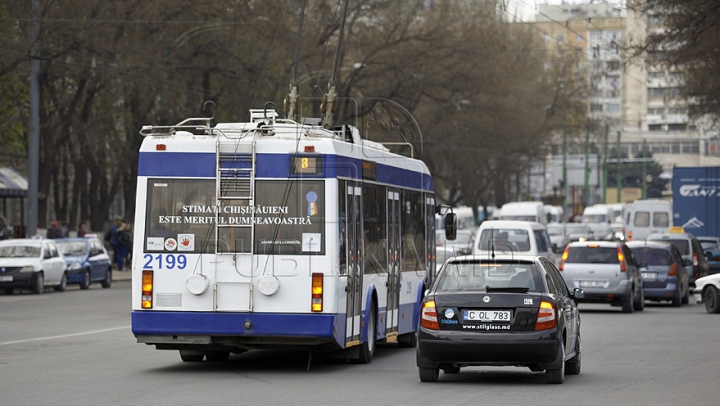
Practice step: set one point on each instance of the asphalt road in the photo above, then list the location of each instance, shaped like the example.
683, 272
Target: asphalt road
76, 348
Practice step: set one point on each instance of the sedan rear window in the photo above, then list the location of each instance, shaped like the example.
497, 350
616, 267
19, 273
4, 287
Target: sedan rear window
475, 276
652, 256
592, 255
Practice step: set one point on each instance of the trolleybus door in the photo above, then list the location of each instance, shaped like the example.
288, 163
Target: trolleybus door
393, 283
354, 261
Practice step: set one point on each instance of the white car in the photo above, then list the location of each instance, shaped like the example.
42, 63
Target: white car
707, 291
31, 263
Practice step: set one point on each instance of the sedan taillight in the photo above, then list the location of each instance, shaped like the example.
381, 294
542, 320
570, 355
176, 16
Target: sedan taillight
673, 271
621, 260
546, 317
428, 316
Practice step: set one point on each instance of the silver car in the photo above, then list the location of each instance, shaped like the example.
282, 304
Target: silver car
606, 271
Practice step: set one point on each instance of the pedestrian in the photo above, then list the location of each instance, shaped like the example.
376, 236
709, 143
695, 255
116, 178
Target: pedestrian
54, 230
81, 230
124, 241
111, 237
64, 229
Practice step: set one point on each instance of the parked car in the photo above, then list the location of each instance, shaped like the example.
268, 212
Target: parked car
462, 244
558, 238
31, 263
707, 291
514, 310
577, 232
87, 261
606, 271
691, 250
711, 247
664, 275
442, 254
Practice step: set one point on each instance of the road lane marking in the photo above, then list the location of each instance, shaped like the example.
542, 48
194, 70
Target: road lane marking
29, 340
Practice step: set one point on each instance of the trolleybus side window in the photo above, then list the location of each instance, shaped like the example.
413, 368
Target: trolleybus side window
375, 229
413, 232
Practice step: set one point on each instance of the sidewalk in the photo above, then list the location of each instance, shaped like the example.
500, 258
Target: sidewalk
125, 275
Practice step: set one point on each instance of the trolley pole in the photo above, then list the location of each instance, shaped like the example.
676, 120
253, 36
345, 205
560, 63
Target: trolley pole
604, 167
587, 166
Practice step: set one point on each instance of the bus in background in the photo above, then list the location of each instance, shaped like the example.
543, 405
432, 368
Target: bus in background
524, 211
275, 234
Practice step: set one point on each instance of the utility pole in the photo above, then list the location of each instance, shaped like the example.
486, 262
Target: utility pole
564, 173
587, 165
34, 125
618, 170
604, 166
644, 170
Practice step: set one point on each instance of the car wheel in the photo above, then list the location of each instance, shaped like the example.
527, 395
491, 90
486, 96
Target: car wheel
429, 374
38, 285
191, 357
572, 366
107, 282
217, 356
86, 280
627, 303
8, 291
711, 299
676, 300
408, 340
62, 286
451, 370
367, 349
557, 376
639, 304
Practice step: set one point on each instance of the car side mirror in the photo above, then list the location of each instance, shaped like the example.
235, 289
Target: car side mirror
451, 226
578, 293
554, 247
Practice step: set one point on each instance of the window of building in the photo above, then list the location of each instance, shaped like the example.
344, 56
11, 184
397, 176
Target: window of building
613, 107
595, 36
675, 148
656, 92
690, 148
613, 65
655, 127
596, 108
656, 75
673, 91
657, 111
659, 148
676, 110
677, 127
560, 38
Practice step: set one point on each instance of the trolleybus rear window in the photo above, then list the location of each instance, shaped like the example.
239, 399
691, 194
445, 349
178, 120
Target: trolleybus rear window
288, 218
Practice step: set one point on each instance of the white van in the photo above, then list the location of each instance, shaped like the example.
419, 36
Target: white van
598, 213
524, 211
518, 237
555, 214
645, 217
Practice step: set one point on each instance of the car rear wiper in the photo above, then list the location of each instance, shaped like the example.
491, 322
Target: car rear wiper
509, 289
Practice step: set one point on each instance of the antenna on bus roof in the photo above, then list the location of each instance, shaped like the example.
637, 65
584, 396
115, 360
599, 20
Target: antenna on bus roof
291, 100
329, 103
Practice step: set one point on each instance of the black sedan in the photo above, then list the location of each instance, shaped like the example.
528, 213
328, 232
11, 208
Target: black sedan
507, 311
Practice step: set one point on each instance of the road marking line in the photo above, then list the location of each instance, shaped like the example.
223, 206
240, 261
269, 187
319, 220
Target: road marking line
64, 335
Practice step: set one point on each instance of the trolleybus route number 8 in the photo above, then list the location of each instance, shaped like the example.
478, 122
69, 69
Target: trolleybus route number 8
165, 261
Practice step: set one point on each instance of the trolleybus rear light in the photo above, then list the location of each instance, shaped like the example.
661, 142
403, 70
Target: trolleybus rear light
147, 290
317, 292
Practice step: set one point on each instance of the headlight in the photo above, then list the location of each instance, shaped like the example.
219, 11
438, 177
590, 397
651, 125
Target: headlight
74, 266
28, 269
